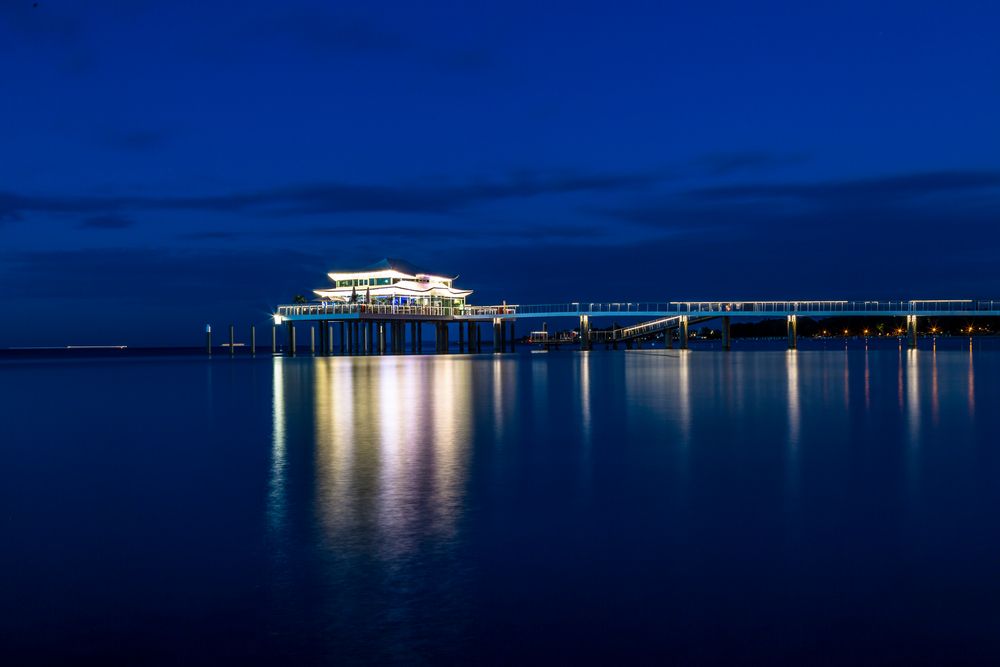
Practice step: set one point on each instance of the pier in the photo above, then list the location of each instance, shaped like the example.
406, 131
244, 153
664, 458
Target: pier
365, 328
379, 308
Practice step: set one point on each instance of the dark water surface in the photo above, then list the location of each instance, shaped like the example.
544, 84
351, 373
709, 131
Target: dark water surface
818, 507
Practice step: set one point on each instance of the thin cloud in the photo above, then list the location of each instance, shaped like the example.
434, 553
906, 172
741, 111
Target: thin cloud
106, 222
334, 198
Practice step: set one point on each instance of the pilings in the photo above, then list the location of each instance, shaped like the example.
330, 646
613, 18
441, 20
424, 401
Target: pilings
512, 335
682, 333
291, 337
585, 332
274, 338
727, 340
253, 339
232, 340
911, 331
208, 339
793, 332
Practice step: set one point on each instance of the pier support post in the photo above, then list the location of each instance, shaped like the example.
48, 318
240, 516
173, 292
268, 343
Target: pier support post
321, 325
274, 339
444, 336
413, 337
253, 339
911, 331
381, 338
585, 332
232, 339
208, 339
682, 333
479, 338
727, 341
291, 338
461, 337
312, 340
512, 335
329, 338
793, 333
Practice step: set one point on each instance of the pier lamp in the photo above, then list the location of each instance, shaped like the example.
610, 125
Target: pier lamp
278, 319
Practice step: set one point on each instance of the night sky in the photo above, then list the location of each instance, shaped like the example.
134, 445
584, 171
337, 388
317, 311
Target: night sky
168, 164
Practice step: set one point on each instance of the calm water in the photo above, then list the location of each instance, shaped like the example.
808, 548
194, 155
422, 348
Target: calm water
819, 507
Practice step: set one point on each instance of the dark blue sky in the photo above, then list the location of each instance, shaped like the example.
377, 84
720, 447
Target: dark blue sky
164, 164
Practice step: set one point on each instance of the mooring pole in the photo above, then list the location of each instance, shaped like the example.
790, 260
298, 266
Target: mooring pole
208, 339
232, 339
253, 339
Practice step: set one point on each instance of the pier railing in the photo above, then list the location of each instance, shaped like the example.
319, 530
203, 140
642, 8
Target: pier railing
334, 309
639, 309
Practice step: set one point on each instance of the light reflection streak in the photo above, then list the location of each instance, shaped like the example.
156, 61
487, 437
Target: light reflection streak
794, 421
276, 485
971, 392
584, 384
794, 405
913, 396
390, 445
684, 396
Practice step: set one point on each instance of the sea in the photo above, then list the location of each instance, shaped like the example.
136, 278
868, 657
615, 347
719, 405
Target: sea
834, 505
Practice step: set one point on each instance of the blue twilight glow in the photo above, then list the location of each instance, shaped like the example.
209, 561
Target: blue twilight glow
168, 164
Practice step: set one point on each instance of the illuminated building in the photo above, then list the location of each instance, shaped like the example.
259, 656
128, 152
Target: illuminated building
393, 282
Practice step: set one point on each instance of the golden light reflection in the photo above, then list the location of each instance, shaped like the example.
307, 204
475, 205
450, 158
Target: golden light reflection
794, 404
971, 392
913, 395
684, 395
389, 442
583, 360
276, 486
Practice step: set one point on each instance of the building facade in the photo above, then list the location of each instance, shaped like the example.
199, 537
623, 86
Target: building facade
393, 282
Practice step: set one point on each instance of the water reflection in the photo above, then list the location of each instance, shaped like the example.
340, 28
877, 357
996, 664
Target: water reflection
389, 446
794, 406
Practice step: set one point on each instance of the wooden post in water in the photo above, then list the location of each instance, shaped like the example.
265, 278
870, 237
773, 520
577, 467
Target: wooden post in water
232, 339
208, 339
253, 339
274, 338
312, 340
291, 338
